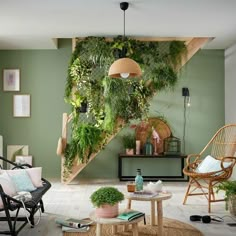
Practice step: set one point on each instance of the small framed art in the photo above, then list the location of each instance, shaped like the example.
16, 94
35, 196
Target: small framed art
11, 80
21, 105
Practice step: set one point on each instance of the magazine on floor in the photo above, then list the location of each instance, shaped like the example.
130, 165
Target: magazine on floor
75, 230
74, 223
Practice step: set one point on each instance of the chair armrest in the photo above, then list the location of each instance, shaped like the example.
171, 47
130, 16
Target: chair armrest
228, 159
195, 158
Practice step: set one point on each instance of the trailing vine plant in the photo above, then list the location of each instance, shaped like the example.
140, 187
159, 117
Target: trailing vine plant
113, 102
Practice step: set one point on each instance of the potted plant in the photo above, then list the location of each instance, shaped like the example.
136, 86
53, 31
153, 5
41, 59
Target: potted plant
129, 142
229, 186
106, 200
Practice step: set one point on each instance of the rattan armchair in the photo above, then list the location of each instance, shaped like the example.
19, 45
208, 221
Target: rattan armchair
222, 147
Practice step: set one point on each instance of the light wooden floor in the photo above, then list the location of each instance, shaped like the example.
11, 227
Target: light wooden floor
73, 201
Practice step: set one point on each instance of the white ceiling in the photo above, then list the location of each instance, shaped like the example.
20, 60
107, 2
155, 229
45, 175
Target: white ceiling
34, 24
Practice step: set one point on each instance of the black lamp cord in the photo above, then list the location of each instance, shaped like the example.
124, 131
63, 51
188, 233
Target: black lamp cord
184, 127
124, 24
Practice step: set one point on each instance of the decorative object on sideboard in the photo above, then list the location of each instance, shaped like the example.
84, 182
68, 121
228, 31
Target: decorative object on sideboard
156, 139
129, 143
148, 147
138, 147
144, 130
172, 145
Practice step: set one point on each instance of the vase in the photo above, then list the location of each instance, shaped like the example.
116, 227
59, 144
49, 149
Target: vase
107, 211
148, 148
138, 143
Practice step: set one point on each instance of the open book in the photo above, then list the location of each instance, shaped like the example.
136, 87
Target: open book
130, 215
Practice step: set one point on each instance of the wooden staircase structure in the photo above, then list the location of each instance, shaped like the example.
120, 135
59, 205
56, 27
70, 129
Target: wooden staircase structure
193, 45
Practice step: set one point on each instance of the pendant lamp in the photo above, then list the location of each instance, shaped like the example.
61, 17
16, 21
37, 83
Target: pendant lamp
124, 67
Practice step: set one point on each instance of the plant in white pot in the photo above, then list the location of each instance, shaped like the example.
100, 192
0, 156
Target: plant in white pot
129, 142
106, 200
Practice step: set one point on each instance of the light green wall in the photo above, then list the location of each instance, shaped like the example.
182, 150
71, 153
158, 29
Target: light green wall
43, 74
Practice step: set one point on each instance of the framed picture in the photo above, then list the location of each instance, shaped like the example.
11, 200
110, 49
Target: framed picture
22, 159
21, 105
11, 80
16, 150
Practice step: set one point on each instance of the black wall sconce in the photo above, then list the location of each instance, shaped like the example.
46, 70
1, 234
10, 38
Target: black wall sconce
186, 95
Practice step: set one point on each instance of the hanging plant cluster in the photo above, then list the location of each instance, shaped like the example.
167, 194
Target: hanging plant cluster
112, 102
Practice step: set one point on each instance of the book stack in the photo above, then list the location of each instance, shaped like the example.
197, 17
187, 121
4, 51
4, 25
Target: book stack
74, 225
130, 215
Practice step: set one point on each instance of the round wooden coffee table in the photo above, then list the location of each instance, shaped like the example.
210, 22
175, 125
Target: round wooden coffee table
152, 199
114, 222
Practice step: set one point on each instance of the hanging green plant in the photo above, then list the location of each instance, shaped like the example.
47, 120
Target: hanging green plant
111, 100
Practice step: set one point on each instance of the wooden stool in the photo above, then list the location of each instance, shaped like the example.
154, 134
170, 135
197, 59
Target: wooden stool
114, 222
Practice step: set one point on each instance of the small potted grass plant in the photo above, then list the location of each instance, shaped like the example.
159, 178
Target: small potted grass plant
106, 200
229, 186
129, 143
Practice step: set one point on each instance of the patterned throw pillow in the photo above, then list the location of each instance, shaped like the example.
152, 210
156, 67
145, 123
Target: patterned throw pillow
22, 182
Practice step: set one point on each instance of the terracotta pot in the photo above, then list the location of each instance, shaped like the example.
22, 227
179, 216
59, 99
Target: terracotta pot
107, 211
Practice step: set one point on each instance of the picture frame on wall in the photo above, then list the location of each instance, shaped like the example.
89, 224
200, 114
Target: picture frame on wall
11, 80
16, 150
21, 105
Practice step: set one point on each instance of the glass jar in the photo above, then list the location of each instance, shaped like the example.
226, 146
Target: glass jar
138, 181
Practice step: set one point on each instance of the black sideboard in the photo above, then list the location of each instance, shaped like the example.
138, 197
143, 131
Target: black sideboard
165, 163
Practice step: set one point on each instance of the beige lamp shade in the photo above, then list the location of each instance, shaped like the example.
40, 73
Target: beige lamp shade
125, 68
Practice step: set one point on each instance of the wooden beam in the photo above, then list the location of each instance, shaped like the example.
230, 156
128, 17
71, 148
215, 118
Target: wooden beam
192, 47
77, 168
150, 39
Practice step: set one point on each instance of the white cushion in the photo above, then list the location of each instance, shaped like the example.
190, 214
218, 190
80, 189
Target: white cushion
7, 185
210, 164
35, 175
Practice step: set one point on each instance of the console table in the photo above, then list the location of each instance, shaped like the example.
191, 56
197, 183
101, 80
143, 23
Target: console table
154, 167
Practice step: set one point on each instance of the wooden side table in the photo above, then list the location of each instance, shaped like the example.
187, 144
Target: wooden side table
152, 199
114, 222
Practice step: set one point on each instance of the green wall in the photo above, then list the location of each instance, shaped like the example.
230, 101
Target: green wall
204, 76
43, 75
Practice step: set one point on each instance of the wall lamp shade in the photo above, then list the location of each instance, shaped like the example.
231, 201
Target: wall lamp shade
124, 68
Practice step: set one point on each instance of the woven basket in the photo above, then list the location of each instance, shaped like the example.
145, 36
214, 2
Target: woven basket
232, 205
144, 129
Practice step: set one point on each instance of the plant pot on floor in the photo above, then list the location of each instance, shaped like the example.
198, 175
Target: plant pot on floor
232, 205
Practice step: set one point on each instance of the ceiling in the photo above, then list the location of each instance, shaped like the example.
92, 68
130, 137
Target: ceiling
36, 24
